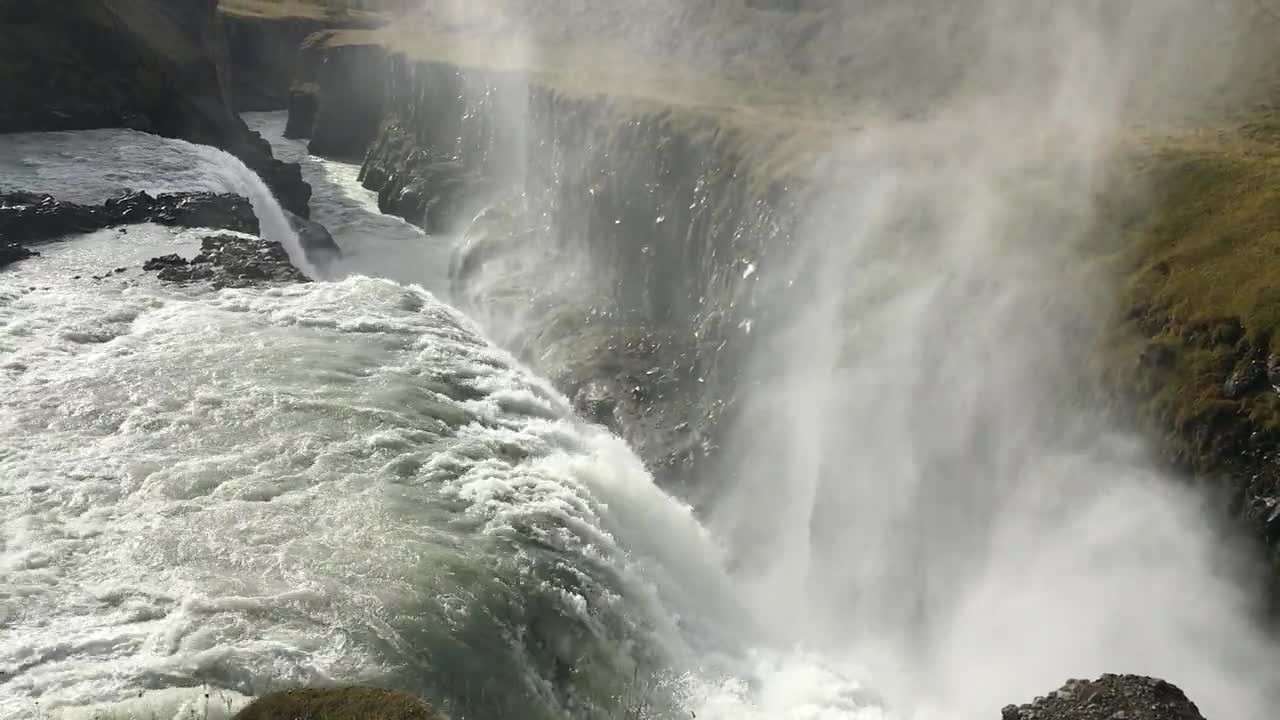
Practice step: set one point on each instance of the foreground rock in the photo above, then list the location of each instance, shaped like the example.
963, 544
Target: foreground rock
12, 252
233, 261
338, 704
30, 218
1111, 697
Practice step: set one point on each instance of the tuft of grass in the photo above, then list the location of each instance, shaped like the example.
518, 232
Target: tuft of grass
349, 703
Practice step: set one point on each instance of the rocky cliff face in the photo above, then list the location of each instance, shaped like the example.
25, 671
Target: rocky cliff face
617, 254
264, 54
141, 64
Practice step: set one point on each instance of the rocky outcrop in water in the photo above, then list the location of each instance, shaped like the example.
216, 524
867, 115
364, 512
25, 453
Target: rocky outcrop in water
31, 218
230, 261
11, 252
149, 65
1111, 697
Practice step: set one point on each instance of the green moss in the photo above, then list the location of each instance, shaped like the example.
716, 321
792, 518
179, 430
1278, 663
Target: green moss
1198, 288
351, 703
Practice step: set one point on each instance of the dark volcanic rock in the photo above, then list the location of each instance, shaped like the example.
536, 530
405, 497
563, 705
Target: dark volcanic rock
27, 218
150, 65
12, 252
351, 96
263, 53
421, 185
1111, 697
304, 103
315, 239
230, 261
1246, 378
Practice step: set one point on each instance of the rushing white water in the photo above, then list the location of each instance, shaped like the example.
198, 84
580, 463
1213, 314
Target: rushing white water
345, 482
329, 482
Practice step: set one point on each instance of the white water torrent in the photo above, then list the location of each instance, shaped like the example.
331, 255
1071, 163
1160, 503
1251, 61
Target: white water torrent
208, 495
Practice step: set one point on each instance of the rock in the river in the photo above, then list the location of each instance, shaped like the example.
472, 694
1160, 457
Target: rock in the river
12, 252
28, 218
304, 104
1111, 697
315, 239
338, 704
230, 261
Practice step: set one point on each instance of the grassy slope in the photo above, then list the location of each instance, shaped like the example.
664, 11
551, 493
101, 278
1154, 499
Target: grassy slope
304, 9
1199, 293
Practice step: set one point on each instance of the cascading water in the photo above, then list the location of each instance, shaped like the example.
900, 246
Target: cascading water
92, 166
205, 495
237, 489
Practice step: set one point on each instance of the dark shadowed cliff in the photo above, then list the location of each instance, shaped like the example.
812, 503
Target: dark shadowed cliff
150, 65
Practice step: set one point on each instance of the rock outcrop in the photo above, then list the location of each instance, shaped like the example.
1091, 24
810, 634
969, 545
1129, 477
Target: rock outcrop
263, 52
30, 218
352, 703
1111, 697
338, 99
148, 65
230, 261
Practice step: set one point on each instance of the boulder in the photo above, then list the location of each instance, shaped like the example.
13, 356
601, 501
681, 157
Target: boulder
1111, 697
233, 261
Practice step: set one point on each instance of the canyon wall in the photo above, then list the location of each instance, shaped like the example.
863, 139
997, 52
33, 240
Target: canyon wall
147, 65
619, 245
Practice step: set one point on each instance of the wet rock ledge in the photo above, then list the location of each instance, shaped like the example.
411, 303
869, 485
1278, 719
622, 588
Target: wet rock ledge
32, 218
229, 261
1111, 697
225, 259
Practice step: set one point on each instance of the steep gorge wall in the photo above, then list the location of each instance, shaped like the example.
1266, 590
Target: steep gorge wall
622, 246
615, 244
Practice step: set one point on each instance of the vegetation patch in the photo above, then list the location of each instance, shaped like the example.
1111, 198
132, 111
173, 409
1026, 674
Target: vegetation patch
1195, 343
351, 703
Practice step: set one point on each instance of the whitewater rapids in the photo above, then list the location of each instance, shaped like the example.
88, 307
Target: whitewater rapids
226, 492
209, 495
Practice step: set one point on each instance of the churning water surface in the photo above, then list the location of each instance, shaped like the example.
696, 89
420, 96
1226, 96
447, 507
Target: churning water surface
206, 495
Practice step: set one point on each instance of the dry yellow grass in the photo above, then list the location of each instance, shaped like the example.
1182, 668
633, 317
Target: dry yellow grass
371, 12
